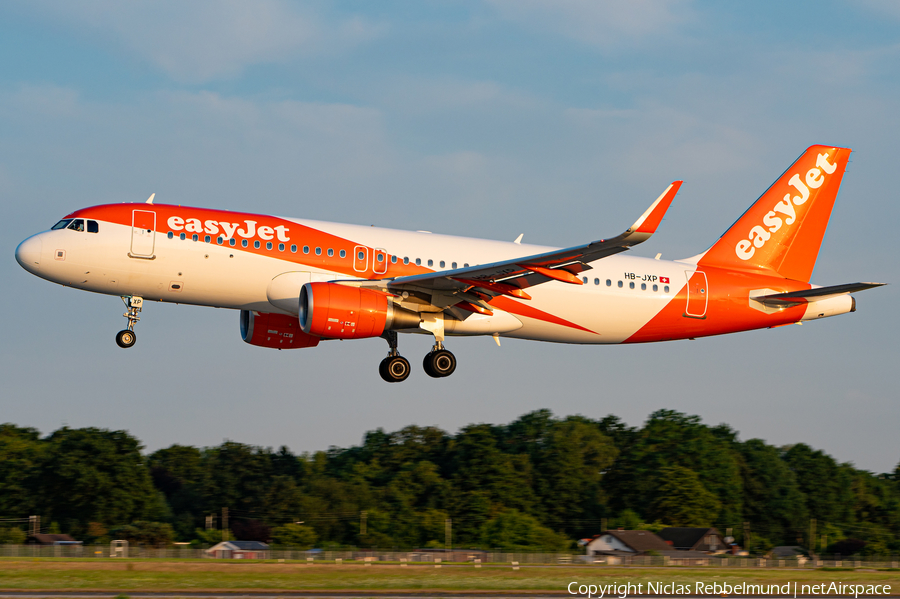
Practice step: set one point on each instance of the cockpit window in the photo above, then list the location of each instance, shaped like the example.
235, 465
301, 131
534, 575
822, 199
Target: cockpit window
93, 227
61, 224
77, 225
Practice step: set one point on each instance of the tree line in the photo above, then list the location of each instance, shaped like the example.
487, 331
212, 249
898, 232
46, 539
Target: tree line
538, 483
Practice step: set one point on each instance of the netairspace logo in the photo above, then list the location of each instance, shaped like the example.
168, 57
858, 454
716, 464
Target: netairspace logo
623, 590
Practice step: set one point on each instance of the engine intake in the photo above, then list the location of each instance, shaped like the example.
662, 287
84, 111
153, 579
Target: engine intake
274, 330
342, 312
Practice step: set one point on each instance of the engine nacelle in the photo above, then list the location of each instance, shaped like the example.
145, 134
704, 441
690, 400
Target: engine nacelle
340, 312
274, 330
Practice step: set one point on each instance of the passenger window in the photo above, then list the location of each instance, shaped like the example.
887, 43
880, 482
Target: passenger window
256, 245
318, 251
182, 236
379, 257
405, 259
268, 245
643, 286
330, 252
609, 282
666, 289
207, 239
305, 249
93, 227
466, 265
77, 225
430, 262
170, 235
293, 249
244, 243
393, 259
418, 262
231, 242
343, 253
453, 266
596, 281
584, 280
620, 284
61, 224
656, 288
220, 240
280, 247
195, 237
631, 285
443, 264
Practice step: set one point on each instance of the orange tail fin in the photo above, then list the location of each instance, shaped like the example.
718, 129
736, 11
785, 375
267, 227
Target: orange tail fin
783, 230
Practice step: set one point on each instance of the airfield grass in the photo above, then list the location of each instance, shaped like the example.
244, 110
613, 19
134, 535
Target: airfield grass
207, 575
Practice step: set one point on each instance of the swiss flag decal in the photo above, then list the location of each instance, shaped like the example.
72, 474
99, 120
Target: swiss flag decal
664, 279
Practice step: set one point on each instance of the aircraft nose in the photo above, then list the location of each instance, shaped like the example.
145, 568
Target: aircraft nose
28, 254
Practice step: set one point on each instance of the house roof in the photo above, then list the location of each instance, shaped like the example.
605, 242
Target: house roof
45, 539
239, 546
685, 537
640, 540
788, 551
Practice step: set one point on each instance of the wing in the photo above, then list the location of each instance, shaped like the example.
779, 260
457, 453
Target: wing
473, 287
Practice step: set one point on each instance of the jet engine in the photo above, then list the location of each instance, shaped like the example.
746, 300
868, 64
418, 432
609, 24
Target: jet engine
341, 312
274, 330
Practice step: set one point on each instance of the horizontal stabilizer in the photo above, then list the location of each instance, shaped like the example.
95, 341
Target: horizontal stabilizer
818, 293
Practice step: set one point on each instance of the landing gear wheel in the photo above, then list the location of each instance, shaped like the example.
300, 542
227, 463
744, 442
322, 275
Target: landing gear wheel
439, 363
394, 369
125, 339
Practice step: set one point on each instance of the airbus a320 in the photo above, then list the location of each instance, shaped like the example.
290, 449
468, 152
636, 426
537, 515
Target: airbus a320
299, 282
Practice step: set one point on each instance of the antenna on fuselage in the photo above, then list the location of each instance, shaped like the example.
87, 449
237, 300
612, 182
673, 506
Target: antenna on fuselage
150, 199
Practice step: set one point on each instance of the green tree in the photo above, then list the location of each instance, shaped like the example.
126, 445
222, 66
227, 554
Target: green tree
149, 534
514, 531
20, 460
95, 475
11, 536
295, 536
683, 500
772, 497
671, 438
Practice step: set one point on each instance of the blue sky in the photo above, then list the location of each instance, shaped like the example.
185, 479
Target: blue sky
559, 120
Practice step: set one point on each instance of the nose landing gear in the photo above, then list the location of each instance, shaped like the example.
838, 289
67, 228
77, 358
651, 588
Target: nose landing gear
127, 337
394, 368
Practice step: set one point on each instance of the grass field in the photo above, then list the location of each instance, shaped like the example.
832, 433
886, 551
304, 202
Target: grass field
197, 575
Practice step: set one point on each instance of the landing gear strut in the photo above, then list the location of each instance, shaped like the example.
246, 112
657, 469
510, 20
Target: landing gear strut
394, 368
126, 338
440, 362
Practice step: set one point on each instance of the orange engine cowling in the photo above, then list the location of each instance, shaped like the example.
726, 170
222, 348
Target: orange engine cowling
274, 330
340, 312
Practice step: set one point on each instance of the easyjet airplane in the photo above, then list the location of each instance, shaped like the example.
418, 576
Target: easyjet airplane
298, 282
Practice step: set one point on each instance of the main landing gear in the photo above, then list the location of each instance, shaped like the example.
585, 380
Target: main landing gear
395, 368
439, 362
126, 338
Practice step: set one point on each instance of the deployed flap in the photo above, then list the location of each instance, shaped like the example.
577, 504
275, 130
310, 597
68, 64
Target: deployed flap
510, 277
818, 293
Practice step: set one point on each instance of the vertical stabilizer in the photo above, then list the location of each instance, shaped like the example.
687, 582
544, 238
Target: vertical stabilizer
783, 230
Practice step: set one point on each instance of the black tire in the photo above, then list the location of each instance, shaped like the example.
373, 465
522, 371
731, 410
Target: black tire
428, 367
439, 364
444, 363
394, 369
125, 339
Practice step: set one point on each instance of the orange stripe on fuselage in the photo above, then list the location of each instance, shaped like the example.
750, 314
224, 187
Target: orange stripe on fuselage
295, 233
728, 309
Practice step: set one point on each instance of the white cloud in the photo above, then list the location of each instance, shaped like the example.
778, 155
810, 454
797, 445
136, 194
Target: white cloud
204, 40
606, 25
